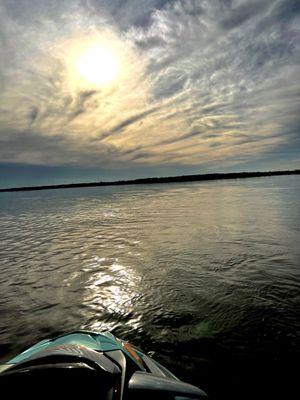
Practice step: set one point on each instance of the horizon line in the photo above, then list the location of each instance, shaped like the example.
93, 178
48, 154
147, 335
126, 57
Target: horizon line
154, 180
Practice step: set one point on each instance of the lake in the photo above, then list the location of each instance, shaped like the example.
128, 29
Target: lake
205, 276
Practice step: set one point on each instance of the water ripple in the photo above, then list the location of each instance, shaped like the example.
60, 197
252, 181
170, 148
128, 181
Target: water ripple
209, 271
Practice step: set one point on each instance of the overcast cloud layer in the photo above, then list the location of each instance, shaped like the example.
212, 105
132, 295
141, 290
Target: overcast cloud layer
207, 82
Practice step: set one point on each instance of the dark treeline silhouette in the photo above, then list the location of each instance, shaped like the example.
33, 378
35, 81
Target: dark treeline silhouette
168, 179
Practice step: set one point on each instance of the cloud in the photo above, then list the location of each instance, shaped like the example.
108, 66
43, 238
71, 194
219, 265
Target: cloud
33, 114
243, 12
128, 122
203, 82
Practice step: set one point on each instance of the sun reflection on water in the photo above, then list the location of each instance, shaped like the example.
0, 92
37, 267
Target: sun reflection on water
110, 294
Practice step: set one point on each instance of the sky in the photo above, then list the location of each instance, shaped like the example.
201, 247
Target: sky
116, 89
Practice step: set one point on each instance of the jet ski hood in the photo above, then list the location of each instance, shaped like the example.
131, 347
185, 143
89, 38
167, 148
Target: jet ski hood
100, 364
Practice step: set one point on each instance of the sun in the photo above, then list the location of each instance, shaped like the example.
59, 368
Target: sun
102, 62
98, 65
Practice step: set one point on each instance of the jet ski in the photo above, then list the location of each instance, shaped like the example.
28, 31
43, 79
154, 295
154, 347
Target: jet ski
90, 365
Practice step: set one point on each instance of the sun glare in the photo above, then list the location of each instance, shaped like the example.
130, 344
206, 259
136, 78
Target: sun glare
98, 65
105, 64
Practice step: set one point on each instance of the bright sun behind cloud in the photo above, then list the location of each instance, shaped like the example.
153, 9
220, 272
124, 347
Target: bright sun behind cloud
98, 65
93, 61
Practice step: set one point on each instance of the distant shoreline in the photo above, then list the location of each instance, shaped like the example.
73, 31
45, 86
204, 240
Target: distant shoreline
147, 181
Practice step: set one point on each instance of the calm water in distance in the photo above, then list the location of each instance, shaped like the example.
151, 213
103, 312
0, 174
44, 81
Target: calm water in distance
205, 276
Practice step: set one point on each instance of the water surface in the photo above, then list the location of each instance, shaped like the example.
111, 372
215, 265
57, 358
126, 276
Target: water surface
204, 275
